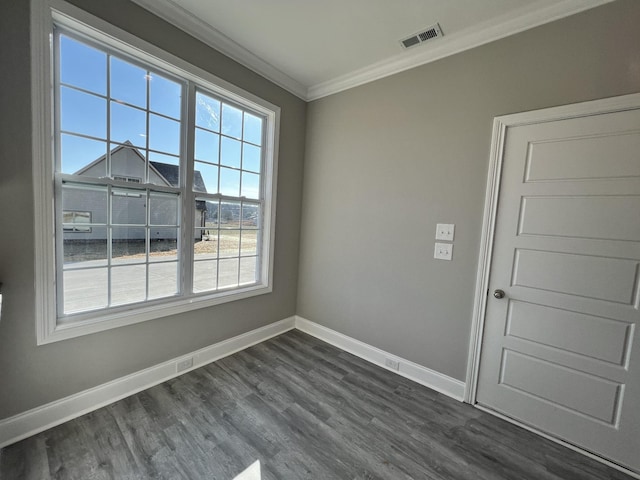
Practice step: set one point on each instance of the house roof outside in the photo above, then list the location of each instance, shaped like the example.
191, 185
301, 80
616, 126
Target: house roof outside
168, 172
171, 173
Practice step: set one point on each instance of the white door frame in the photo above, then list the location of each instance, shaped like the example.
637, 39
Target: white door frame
500, 126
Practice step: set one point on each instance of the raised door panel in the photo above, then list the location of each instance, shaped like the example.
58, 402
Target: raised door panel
560, 350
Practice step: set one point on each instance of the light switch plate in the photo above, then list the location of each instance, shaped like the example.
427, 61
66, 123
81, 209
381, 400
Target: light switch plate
443, 251
444, 231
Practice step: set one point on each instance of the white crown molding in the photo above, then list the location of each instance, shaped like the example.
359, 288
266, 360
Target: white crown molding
425, 376
495, 29
186, 21
503, 26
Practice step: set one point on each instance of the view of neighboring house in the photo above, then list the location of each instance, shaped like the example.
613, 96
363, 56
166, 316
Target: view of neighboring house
84, 206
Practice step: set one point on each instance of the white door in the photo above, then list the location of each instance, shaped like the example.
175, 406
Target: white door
560, 349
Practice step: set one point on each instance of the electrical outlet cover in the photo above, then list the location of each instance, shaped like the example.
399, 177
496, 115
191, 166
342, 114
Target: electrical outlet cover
443, 251
394, 364
184, 364
445, 231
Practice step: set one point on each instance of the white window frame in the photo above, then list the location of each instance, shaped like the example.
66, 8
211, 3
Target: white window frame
44, 13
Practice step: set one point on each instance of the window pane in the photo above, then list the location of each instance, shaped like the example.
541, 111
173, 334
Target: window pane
128, 207
85, 290
206, 244
127, 164
163, 280
229, 243
163, 209
162, 158
74, 221
210, 213
126, 179
82, 65
69, 218
87, 199
205, 178
78, 153
250, 185
229, 182
252, 129
166, 174
85, 249
163, 245
207, 112
249, 242
128, 284
230, 214
164, 134
128, 245
228, 273
83, 113
121, 126
207, 146
204, 276
230, 152
128, 83
128, 124
248, 270
231, 121
200, 216
164, 96
250, 158
250, 215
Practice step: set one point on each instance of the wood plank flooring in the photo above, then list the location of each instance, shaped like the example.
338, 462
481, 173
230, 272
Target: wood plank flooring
304, 410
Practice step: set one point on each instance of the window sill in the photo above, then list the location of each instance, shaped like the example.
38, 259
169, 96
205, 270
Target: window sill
136, 314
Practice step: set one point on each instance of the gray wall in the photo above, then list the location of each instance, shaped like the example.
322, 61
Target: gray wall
30, 375
384, 163
388, 160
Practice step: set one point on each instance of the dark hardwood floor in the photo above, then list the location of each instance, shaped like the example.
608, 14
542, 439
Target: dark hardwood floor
304, 410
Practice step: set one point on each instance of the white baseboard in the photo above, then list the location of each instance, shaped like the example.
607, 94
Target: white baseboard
31, 422
419, 374
34, 421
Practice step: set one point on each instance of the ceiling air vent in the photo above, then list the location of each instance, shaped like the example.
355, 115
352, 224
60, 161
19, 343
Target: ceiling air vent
421, 37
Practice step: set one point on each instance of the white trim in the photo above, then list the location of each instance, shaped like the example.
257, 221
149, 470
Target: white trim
84, 22
575, 110
484, 259
142, 313
424, 376
41, 124
186, 21
31, 422
44, 12
559, 441
495, 29
500, 125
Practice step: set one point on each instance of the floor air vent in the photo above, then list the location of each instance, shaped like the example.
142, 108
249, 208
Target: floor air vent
428, 34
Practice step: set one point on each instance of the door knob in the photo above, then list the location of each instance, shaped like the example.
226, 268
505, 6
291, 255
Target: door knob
498, 294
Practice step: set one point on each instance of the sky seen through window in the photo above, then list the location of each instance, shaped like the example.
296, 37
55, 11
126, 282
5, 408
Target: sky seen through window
106, 101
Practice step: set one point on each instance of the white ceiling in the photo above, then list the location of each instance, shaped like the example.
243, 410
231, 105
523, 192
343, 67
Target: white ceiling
317, 47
